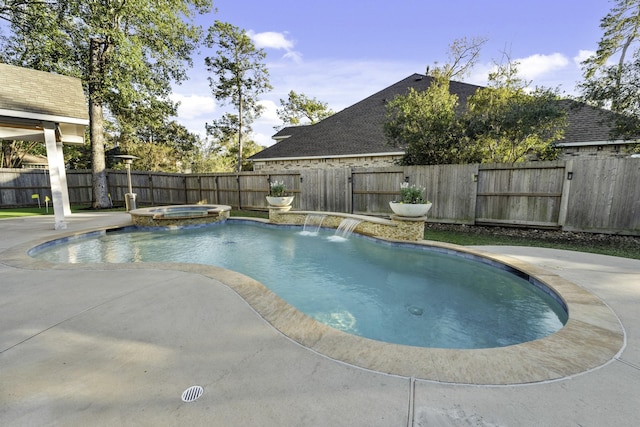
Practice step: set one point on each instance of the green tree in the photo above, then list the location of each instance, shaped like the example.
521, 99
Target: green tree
505, 121
501, 123
126, 51
239, 76
12, 152
298, 109
620, 27
208, 159
615, 86
167, 148
224, 134
463, 55
151, 157
426, 124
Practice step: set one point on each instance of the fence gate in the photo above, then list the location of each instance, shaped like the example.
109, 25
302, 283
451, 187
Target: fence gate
520, 194
374, 188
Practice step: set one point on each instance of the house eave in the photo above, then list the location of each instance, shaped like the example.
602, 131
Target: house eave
592, 143
344, 156
43, 117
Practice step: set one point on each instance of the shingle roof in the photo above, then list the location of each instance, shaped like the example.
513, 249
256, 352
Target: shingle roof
358, 129
289, 132
586, 123
39, 92
355, 130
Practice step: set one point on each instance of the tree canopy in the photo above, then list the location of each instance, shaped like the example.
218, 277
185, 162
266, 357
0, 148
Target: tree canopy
611, 75
503, 122
300, 109
425, 124
127, 53
239, 76
224, 133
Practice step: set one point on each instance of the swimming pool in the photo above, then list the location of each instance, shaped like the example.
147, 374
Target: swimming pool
397, 293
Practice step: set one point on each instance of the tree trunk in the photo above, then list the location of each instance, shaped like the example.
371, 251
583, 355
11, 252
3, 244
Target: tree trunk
6, 154
239, 168
96, 130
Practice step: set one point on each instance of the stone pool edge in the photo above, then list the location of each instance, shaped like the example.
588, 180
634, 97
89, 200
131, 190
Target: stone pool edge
592, 337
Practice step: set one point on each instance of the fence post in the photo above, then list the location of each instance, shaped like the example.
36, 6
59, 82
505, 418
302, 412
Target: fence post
216, 181
566, 192
153, 203
186, 192
108, 189
239, 193
350, 186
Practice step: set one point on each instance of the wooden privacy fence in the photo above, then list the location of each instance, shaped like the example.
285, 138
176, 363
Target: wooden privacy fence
243, 191
599, 195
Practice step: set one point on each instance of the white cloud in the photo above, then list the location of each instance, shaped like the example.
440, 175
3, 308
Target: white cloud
551, 71
263, 139
269, 112
193, 106
277, 41
294, 56
535, 66
263, 127
271, 40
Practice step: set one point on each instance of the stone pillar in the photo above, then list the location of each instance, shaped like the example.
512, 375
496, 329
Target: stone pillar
275, 214
409, 228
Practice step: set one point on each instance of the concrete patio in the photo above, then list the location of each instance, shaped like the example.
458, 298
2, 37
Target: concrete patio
117, 345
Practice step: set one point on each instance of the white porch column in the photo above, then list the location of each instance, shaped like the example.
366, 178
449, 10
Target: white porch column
56, 170
62, 170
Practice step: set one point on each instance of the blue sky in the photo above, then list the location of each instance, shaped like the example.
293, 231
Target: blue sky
340, 52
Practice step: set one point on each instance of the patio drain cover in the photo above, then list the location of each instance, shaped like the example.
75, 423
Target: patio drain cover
192, 393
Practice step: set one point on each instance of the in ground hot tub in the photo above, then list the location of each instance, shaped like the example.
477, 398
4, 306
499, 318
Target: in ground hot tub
179, 215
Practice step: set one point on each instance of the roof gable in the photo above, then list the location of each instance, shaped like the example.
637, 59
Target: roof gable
30, 93
29, 98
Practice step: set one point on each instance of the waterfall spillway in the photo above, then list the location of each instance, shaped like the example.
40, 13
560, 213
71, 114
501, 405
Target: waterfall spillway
346, 227
312, 224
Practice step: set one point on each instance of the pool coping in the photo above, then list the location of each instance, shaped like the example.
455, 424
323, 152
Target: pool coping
592, 337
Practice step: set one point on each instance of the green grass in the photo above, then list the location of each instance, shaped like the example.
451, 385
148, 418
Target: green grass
251, 214
626, 248
20, 212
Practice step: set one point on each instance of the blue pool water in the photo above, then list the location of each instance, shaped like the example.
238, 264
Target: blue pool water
395, 293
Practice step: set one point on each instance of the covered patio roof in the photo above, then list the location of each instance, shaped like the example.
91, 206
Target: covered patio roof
50, 108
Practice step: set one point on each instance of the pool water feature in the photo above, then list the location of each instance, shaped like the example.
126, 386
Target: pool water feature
394, 293
346, 227
312, 224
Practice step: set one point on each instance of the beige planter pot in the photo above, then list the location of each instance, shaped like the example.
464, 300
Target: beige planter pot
410, 210
280, 202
